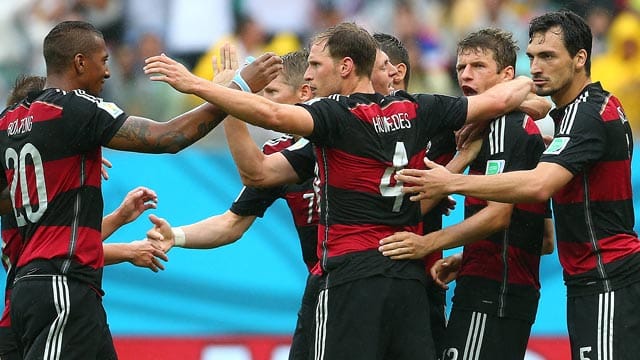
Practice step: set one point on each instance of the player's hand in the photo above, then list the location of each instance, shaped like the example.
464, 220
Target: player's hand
224, 73
166, 69
160, 234
135, 203
447, 205
535, 106
425, 184
404, 245
106, 164
261, 71
467, 137
446, 270
145, 254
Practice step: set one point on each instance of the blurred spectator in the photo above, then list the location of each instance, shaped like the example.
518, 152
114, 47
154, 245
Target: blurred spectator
269, 14
599, 19
619, 67
193, 25
131, 88
419, 30
249, 38
12, 57
106, 15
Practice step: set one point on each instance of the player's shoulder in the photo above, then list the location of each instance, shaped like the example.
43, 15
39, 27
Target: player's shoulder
83, 99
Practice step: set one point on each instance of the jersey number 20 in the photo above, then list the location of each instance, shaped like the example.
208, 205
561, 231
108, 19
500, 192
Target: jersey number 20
18, 162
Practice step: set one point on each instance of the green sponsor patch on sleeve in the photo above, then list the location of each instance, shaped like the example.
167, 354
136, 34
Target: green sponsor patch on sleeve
494, 167
557, 145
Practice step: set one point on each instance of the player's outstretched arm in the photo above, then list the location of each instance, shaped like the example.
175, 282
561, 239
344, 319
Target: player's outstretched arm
542, 182
499, 99
212, 232
406, 245
140, 253
242, 105
145, 135
135, 203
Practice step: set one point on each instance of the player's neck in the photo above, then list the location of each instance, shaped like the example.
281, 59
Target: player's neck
358, 85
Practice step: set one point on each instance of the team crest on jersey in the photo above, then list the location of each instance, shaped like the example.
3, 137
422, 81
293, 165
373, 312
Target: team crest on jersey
494, 167
110, 108
557, 145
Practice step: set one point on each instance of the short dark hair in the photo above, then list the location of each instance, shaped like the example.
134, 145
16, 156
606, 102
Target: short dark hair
294, 66
350, 40
576, 34
397, 52
23, 86
67, 39
504, 47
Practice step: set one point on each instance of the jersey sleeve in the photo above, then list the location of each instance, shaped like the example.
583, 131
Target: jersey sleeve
302, 159
325, 113
442, 112
581, 139
98, 120
255, 201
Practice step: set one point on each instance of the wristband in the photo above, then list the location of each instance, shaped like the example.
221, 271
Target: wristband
179, 238
238, 80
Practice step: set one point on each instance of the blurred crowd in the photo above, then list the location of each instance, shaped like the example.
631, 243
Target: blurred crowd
193, 30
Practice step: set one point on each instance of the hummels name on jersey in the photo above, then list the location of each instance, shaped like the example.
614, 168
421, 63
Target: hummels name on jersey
385, 124
20, 126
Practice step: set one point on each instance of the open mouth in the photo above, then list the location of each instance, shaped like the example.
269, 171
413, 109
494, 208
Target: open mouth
468, 91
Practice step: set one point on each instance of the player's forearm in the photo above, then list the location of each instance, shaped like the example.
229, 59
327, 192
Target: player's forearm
511, 187
216, 231
110, 224
246, 154
249, 107
117, 253
498, 100
477, 227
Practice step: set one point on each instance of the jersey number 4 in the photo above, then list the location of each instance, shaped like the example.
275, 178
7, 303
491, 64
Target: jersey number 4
18, 162
400, 160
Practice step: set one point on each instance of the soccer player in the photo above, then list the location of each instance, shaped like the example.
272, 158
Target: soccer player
497, 289
51, 145
586, 171
288, 87
370, 306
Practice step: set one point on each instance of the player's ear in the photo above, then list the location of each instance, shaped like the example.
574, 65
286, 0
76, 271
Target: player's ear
79, 62
402, 71
305, 93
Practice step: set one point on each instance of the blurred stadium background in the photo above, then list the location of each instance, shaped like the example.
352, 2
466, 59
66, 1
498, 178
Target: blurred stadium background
240, 302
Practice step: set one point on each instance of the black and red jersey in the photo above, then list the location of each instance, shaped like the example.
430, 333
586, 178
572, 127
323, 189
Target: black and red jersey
361, 141
598, 248
300, 199
52, 157
11, 247
499, 275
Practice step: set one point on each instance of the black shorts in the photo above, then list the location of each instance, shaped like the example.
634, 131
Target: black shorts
437, 313
474, 335
52, 315
606, 325
374, 318
301, 342
8, 345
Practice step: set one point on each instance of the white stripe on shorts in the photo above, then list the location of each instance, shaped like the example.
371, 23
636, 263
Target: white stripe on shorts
473, 346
